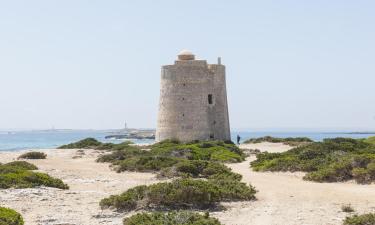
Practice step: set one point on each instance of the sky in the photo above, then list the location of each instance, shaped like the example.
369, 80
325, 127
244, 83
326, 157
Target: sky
86, 64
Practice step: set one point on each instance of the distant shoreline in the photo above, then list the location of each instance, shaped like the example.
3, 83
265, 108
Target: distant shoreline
367, 132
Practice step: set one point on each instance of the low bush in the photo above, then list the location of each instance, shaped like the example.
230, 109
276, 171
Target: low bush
116, 156
204, 179
333, 160
19, 165
87, 143
365, 219
18, 174
180, 193
370, 140
10, 217
289, 141
33, 155
200, 169
198, 150
171, 158
171, 218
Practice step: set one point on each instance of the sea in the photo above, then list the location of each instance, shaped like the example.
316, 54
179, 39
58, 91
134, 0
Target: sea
47, 139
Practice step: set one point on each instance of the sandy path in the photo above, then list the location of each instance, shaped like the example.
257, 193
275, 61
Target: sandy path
267, 146
285, 199
89, 182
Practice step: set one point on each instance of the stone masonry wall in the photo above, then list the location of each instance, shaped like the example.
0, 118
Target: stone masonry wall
184, 110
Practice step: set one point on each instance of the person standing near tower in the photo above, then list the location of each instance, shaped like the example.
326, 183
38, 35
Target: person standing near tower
238, 139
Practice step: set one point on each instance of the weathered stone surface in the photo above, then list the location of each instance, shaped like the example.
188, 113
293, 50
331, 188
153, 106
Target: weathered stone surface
193, 101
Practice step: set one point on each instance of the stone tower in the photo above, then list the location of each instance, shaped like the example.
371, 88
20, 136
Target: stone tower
193, 101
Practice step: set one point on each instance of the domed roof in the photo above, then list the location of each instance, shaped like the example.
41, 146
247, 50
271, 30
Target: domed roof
186, 55
185, 52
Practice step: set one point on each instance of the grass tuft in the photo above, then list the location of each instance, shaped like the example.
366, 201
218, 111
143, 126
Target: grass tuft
347, 208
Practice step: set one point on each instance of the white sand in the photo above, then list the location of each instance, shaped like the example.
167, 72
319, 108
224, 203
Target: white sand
89, 182
267, 146
283, 198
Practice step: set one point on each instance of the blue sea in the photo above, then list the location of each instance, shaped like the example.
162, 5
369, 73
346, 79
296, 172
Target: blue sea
20, 140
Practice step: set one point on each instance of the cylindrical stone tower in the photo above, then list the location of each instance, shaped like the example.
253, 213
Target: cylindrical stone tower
193, 101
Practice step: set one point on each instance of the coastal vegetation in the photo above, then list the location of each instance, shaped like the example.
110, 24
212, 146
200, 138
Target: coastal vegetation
332, 160
288, 141
85, 143
200, 179
370, 140
171, 158
33, 155
196, 150
20, 174
171, 218
180, 194
365, 219
203, 160
10, 217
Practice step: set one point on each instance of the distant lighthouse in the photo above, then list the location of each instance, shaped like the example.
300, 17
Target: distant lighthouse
193, 101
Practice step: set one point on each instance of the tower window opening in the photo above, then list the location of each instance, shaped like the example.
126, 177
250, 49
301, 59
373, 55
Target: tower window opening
184, 84
183, 114
210, 99
211, 136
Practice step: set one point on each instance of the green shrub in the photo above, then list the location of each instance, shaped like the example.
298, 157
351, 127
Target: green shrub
146, 163
192, 168
171, 158
335, 172
289, 141
118, 155
370, 140
180, 193
333, 160
200, 150
186, 160
10, 217
127, 200
19, 165
18, 174
87, 143
171, 218
33, 155
365, 219
200, 169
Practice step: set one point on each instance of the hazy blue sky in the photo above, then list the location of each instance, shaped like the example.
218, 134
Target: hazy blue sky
96, 64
